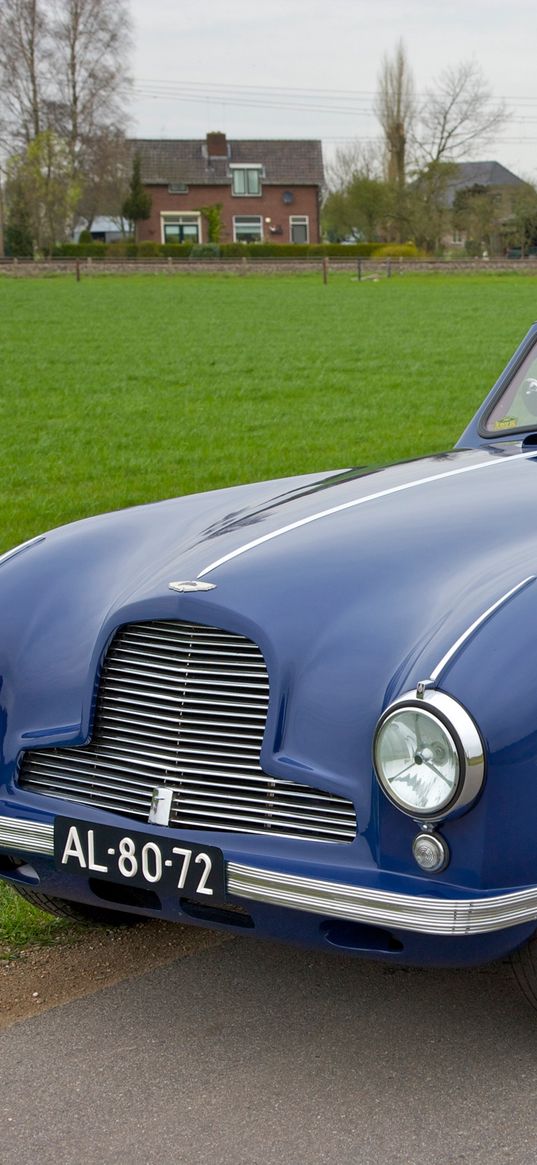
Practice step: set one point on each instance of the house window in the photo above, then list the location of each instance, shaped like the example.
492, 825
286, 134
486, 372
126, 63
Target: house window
180, 228
248, 228
458, 237
246, 180
299, 228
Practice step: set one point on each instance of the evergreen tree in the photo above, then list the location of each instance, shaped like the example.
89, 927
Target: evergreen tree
137, 205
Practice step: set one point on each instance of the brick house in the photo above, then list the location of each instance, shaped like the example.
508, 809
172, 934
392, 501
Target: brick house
269, 191
492, 177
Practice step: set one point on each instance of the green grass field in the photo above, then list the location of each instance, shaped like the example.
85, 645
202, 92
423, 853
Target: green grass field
121, 390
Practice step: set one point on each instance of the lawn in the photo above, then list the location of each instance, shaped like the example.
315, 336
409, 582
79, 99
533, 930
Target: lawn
23, 925
121, 390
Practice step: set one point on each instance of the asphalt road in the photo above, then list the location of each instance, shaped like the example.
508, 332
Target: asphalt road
254, 1054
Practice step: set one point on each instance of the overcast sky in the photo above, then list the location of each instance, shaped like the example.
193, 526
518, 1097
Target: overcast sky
308, 68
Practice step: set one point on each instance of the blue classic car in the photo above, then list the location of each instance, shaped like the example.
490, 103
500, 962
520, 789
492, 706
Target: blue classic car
305, 708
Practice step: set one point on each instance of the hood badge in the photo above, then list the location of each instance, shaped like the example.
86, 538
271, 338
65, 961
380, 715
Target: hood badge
194, 585
161, 805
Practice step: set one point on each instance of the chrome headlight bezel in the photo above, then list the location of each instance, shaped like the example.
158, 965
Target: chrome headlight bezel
467, 742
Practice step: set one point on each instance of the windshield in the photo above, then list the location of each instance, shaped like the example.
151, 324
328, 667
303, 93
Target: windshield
517, 406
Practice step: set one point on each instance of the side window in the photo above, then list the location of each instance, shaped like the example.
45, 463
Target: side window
247, 228
517, 407
299, 228
246, 180
180, 228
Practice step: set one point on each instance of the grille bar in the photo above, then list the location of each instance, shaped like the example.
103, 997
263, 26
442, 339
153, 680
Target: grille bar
184, 706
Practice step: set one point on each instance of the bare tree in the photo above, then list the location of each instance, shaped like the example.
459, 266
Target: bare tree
105, 172
356, 159
25, 47
63, 71
91, 41
395, 109
458, 117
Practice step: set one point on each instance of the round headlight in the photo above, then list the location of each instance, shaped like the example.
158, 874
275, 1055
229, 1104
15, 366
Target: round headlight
428, 755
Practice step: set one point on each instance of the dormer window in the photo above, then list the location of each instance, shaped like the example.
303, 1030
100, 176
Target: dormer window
246, 180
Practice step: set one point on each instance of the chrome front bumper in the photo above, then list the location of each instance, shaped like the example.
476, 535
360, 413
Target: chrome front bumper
422, 914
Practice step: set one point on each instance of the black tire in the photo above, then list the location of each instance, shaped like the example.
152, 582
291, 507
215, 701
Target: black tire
524, 964
78, 911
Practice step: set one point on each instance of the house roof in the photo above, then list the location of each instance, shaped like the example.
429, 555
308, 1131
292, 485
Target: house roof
285, 162
480, 174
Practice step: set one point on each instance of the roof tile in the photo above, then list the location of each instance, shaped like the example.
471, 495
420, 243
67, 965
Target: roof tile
285, 162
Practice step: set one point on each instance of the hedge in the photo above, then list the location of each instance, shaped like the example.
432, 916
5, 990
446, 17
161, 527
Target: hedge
250, 251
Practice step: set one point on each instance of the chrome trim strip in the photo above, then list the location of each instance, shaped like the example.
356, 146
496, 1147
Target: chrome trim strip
26, 835
359, 502
437, 671
22, 546
425, 915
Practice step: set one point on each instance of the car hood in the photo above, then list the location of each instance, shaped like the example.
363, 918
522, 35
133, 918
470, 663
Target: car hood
354, 585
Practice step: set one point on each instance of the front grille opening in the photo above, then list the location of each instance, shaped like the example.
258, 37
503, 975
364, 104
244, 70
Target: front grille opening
125, 895
184, 706
225, 912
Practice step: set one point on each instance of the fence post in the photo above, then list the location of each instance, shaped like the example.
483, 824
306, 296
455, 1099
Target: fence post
389, 271
325, 269
359, 270
77, 267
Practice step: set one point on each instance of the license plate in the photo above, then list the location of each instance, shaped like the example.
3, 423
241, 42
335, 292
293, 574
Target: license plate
166, 864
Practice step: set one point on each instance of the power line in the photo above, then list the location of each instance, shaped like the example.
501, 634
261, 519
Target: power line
236, 96
283, 89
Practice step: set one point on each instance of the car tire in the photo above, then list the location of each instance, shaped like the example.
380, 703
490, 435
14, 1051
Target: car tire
77, 911
524, 964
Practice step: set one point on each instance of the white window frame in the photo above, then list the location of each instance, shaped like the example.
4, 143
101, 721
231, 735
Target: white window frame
169, 217
252, 218
302, 220
255, 166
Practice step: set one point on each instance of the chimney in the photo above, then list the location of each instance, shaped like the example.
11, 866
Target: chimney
216, 145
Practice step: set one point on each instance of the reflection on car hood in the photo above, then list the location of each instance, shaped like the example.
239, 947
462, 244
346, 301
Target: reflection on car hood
366, 575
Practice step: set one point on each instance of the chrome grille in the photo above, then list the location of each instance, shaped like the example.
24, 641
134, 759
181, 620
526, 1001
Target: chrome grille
185, 706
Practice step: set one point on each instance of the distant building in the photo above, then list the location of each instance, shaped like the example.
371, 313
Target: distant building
493, 177
103, 230
269, 191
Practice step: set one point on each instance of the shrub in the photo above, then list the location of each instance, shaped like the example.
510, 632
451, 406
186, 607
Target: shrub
85, 237
79, 251
205, 251
18, 241
297, 250
127, 249
124, 249
397, 251
473, 249
175, 250
147, 250
234, 250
